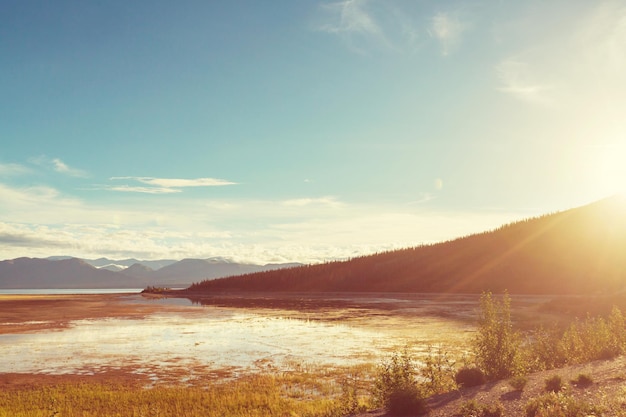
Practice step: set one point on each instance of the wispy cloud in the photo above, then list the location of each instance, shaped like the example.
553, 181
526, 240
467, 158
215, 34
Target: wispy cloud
305, 238
140, 189
353, 23
447, 29
368, 25
516, 79
59, 166
165, 185
582, 62
350, 16
311, 229
63, 168
322, 201
13, 169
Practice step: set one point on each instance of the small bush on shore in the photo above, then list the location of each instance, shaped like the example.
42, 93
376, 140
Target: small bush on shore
155, 290
518, 383
469, 377
406, 401
555, 404
554, 384
438, 372
472, 408
582, 380
469, 408
396, 386
496, 345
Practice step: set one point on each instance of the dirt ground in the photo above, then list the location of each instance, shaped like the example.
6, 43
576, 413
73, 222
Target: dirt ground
608, 387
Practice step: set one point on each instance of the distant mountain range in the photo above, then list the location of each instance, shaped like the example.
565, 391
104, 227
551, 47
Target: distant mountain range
67, 272
578, 251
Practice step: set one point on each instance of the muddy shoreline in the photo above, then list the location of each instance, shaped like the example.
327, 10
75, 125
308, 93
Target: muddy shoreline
28, 313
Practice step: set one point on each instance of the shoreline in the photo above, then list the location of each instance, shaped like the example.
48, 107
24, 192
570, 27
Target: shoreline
393, 316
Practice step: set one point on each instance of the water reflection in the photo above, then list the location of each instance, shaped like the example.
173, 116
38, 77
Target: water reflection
212, 338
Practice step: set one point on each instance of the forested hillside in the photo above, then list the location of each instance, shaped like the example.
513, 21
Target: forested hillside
578, 251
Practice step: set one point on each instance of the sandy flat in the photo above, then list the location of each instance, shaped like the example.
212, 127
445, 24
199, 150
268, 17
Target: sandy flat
27, 313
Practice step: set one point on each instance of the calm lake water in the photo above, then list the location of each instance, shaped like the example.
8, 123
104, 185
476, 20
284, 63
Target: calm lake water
227, 341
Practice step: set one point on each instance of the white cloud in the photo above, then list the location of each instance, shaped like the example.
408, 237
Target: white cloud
350, 17
354, 24
447, 29
517, 79
302, 202
19, 197
579, 62
139, 189
178, 182
305, 229
13, 169
63, 168
58, 165
310, 241
165, 185
371, 25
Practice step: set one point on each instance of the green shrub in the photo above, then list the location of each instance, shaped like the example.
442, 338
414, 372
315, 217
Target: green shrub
496, 345
518, 383
595, 338
471, 408
493, 410
396, 388
560, 405
469, 377
554, 384
544, 350
438, 372
582, 341
406, 401
582, 380
397, 372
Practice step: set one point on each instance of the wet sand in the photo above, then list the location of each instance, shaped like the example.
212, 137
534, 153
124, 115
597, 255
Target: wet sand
29, 313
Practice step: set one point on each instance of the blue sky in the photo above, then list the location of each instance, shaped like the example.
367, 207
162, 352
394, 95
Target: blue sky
300, 130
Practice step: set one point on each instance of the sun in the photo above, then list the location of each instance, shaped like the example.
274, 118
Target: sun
611, 168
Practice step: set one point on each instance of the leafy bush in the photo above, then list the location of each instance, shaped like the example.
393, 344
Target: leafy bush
471, 408
544, 350
560, 405
582, 341
582, 380
396, 387
493, 410
554, 383
496, 345
518, 383
595, 338
469, 377
438, 372
406, 401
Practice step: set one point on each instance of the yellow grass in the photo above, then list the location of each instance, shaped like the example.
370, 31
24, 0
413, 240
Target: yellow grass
293, 394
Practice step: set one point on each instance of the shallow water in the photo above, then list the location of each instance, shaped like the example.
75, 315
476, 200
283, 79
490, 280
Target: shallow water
208, 339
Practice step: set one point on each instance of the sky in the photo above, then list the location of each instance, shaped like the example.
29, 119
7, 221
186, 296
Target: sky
300, 130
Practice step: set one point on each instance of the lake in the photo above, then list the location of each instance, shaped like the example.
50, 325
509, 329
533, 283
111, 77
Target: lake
177, 339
